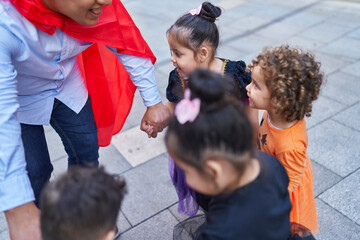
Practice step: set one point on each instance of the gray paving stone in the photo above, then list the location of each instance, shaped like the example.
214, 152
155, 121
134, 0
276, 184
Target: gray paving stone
149, 190
251, 44
227, 52
272, 10
330, 64
350, 117
249, 57
136, 113
241, 12
165, 67
239, 25
230, 4
353, 69
3, 223
345, 196
335, 146
323, 108
136, 147
345, 13
112, 160
344, 47
179, 216
323, 178
159, 227
325, 32
342, 87
60, 166
279, 31
304, 19
55, 145
162, 80
122, 223
355, 34
302, 43
333, 225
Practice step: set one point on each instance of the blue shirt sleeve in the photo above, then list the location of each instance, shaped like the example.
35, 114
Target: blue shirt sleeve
141, 71
15, 188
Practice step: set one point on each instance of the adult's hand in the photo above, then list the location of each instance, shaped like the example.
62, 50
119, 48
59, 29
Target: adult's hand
24, 222
155, 119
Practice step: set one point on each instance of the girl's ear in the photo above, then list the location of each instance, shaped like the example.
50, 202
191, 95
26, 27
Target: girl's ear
214, 168
109, 235
203, 53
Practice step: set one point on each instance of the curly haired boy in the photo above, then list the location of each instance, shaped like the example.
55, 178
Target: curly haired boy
285, 82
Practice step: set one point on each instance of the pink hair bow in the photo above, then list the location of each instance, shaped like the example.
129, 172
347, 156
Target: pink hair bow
195, 11
187, 110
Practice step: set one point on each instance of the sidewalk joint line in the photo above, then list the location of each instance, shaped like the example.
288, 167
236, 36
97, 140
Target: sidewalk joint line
278, 19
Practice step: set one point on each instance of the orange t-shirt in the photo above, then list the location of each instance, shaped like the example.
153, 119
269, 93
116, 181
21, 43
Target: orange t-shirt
289, 146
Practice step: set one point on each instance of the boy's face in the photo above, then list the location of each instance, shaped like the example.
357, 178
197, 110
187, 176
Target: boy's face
85, 12
182, 58
257, 90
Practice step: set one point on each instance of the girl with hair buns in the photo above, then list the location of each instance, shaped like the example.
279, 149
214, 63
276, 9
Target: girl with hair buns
210, 139
193, 40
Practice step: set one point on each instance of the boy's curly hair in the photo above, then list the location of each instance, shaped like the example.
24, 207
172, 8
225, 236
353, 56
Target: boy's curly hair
293, 78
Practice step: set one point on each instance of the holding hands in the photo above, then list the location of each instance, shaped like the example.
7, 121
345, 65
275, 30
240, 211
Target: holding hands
155, 119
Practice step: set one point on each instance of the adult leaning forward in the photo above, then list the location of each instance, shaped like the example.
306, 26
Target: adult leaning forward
40, 83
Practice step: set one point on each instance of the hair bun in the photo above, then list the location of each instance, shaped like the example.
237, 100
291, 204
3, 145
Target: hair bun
209, 12
210, 87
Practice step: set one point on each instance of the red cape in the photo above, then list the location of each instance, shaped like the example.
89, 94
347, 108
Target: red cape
110, 87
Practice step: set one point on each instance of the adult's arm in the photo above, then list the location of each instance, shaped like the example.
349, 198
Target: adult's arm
141, 71
16, 194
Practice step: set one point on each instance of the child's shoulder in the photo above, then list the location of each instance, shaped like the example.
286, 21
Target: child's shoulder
284, 140
230, 64
174, 90
237, 69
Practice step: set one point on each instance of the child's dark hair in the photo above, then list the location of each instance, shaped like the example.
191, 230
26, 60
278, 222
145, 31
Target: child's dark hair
82, 204
293, 78
221, 130
192, 31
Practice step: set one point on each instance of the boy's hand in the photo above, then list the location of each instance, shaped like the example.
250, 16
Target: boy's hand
155, 119
24, 222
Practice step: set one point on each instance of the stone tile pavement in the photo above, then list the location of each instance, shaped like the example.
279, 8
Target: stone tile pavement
331, 29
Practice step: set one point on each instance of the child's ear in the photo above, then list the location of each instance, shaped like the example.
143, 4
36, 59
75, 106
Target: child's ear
109, 235
203, 53
214, 168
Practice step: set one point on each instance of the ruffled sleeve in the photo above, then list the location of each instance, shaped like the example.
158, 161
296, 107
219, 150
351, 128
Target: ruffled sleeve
294, 162
236, 69
174, 90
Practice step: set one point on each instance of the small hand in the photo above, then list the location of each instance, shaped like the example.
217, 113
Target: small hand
149, 130
155, 119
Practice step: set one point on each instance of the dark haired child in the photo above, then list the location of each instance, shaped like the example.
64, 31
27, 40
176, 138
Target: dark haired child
210, 138
285, 82
82, 204
193, 41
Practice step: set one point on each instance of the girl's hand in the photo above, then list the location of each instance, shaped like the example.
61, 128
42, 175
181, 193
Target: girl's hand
149, 130
156, 116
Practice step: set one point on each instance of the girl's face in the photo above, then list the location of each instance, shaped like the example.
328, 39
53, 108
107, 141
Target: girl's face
182, 58
85, 12
197, 180
257, 90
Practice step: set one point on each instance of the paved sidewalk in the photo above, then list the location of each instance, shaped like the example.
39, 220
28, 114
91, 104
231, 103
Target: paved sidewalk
329, 28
